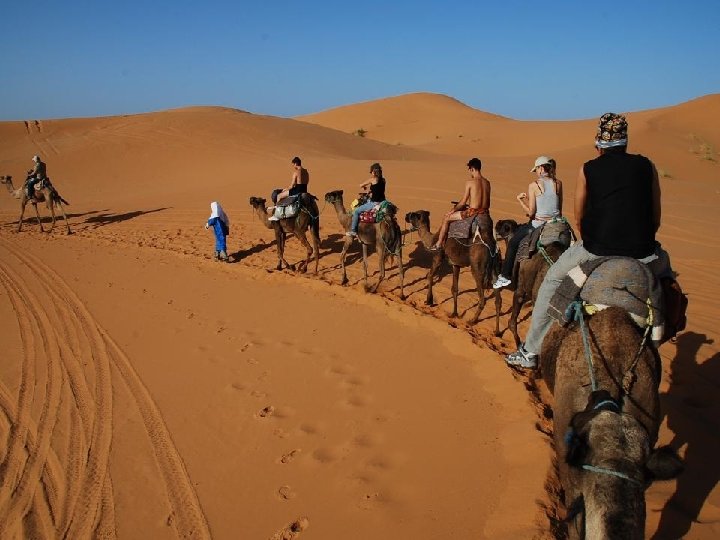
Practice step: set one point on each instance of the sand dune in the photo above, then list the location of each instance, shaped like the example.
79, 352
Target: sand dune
149, 391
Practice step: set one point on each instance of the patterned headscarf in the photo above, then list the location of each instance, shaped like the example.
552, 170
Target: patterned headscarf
612, 131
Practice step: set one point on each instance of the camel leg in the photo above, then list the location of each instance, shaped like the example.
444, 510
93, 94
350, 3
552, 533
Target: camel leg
481, 292
62, 209
381, 262
37, 214
316, 248
280, 242
498, 309
22, 213
518, 302
437, 259
455, 288
402, 275
51, 207
364, 252
346, 246
304, 241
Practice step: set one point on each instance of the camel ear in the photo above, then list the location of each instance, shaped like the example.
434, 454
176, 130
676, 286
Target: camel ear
663, 464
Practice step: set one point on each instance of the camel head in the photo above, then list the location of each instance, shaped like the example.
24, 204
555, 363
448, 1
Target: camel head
257, 202
610, 453
505, 228
334, 196
417, 218
6, 180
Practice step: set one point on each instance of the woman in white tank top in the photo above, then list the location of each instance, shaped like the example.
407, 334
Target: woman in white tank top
542, 202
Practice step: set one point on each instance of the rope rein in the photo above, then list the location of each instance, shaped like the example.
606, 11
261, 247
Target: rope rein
577, 306
610, 472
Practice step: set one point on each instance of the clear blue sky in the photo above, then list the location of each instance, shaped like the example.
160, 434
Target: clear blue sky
523, 59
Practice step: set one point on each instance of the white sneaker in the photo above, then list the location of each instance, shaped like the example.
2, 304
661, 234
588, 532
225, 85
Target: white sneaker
273, 218
501, 282
351, 234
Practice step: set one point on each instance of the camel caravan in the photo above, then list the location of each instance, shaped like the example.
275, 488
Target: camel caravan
604, 298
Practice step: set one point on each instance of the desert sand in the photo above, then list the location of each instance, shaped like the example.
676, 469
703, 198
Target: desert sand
147, 391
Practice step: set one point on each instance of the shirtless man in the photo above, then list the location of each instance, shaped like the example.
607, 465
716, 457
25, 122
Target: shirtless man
476, 198
300, 180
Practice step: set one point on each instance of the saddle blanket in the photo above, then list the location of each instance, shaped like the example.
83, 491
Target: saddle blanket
469, 228
557, 230
613, 281
378, 213
287, 207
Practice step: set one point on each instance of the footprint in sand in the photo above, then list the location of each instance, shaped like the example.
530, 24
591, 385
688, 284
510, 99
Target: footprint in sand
287, 458
285, 493
266, 411
258, 394
292, 530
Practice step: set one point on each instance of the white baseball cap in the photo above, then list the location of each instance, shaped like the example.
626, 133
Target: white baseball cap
542, 160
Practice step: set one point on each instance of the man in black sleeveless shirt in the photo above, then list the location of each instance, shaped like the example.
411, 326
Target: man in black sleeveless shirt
617, 208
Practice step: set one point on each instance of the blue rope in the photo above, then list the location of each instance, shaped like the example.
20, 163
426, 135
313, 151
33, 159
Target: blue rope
607, 402
578, 308
602, 470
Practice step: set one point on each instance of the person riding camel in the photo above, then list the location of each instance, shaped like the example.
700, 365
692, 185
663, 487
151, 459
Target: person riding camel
542, 202
299, 184
475, 201
617, 208
374, 187
35, 175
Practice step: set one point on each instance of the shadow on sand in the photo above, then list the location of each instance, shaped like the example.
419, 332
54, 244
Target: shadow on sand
103, 219
47, 218
691, 408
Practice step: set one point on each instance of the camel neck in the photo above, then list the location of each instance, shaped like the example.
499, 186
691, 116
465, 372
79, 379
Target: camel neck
263, 217
427, 238
343, 216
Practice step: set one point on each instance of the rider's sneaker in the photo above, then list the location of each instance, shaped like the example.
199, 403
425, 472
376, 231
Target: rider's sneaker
501, 282
522, 359
273, 218
351, 234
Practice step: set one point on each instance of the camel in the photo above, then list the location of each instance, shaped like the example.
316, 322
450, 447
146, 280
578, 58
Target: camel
387, 231
47, 194
307, 218
605, 438
483, 263
528, 275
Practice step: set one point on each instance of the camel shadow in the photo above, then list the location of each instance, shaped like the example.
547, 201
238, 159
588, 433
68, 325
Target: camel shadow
334, 244
691, 408
48, 218
244, 253
106, 219
422, 258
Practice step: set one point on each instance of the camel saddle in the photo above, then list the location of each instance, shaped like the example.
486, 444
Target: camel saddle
556, 230
622, 282
378, 212
472, 228
290, 206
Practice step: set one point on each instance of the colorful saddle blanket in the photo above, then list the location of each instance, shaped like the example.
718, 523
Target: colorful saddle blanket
378, 213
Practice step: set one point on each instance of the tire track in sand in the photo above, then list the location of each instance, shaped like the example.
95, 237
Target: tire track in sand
20, 485
188, 518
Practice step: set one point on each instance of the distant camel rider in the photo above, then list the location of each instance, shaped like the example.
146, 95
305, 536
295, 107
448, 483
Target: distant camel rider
35, 175
300, 180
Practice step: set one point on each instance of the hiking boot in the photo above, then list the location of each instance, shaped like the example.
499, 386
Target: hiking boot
223, 256
351, 234
501, 282
522, 359
217, 255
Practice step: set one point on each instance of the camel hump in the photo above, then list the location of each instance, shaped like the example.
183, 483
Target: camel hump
604, 282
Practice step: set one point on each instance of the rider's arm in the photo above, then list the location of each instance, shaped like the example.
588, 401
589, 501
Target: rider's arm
558, 183
580, 199
656, 199
465, 198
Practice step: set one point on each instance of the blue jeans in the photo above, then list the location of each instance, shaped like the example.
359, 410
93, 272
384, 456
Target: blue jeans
358, 210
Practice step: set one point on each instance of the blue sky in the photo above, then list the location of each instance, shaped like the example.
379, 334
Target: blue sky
523, 59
